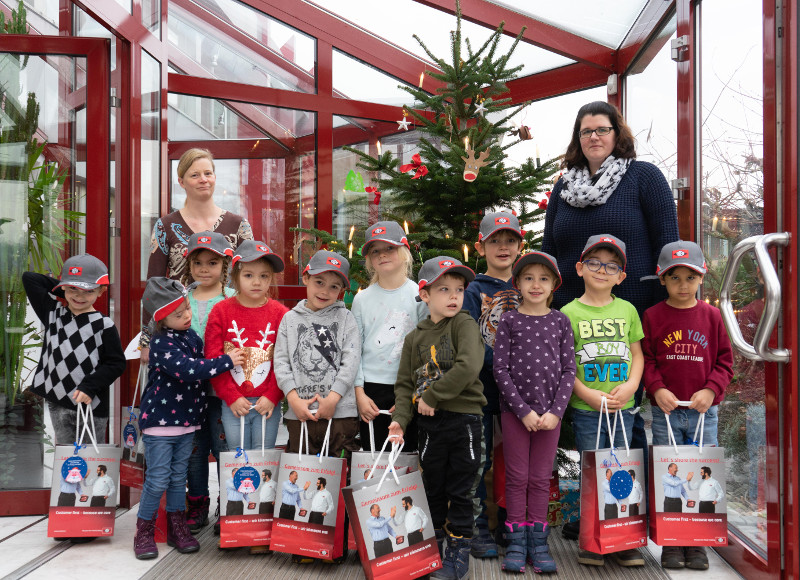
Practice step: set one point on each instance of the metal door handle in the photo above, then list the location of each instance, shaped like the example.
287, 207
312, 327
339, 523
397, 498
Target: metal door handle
759, 350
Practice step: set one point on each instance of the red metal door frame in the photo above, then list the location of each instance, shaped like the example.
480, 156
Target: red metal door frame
96, 51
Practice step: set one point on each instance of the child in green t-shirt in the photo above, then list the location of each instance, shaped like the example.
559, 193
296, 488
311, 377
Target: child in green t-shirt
608, 355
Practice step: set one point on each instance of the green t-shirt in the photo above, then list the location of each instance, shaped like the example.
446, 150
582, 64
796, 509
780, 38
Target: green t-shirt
603, 336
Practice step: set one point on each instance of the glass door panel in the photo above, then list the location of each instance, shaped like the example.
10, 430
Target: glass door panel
732, 209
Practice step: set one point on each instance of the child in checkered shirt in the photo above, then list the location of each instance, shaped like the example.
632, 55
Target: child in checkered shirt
81, 351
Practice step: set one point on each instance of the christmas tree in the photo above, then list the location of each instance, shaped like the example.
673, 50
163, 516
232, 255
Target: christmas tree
460, 171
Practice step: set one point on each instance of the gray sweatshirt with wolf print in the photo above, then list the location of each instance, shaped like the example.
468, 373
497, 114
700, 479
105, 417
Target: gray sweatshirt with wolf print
319, 352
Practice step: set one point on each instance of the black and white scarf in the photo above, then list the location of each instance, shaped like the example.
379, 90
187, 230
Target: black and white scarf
582, 189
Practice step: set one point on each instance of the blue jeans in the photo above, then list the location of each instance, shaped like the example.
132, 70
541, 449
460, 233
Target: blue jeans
684, 422
210, 438
584, 424
252, 428
167, 463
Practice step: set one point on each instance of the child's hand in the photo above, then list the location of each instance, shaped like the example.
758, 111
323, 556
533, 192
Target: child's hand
81, 397
144, 357
531, 421
394, 429
548, 422
701, 400
621, 394
367, 409
594, 398
666, 400
300, 406
265, 406
238, 356
425, 409
327, 405
240, 407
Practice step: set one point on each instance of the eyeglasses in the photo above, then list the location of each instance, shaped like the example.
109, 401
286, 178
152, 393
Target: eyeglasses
594, 265
601, 132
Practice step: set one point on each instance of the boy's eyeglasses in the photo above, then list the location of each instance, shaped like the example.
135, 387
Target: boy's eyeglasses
601, 132
594, 265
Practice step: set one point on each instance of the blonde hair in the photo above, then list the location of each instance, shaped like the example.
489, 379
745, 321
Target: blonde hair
237, 270
192, 155
186, 273
408, 259
550, 272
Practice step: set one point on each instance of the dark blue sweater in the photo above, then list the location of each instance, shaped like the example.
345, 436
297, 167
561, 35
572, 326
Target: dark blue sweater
174, 396
640, 212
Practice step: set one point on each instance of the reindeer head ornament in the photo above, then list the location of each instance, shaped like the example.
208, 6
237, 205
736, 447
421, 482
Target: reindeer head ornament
473, 166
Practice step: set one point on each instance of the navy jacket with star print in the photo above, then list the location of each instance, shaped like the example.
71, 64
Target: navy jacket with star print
174, 396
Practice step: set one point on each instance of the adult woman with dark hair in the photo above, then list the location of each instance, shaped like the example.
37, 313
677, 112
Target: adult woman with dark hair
196, 175
605, 190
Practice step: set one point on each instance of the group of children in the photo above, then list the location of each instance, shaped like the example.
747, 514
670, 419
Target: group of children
410, 351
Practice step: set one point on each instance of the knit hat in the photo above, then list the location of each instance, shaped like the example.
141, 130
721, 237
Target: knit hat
162, 296
250, 251
83, 271
326, 261
536, 258
681, 253
606, 241
496, 221
433, 269
389, 232
211, 241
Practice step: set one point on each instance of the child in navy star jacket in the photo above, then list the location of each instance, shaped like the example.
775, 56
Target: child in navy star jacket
171, 410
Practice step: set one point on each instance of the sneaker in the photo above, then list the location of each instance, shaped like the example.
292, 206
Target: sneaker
590, 558
695, 557
629, 558
570, 530
483, 545
672, 557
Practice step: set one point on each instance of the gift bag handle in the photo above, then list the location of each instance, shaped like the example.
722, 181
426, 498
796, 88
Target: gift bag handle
303, 436
390, 468
372, 433
326, 442
85, 413
617, 415
612, 432
142, 372
380, 454
671, 435
700, 427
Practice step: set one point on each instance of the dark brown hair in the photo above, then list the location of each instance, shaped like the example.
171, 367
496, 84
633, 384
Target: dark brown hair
186, 275
625, 147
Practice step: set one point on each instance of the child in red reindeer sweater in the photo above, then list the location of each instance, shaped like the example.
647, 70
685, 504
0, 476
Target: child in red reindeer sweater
248, 320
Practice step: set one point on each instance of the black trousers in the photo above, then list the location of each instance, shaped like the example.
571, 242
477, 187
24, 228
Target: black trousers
415, 537
611, 512
66, 499
673, 505
633, 509
707, 507
266, 507
315, 518
100, 501
287, 511
234, 508
450, 457
383, 547
383, 396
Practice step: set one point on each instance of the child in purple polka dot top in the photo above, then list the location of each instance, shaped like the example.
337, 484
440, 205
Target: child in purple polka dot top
534, 365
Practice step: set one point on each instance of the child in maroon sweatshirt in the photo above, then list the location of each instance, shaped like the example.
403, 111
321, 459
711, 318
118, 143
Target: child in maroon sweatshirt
687, 358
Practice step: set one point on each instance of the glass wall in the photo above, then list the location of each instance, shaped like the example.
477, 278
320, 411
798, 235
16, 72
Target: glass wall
732, 205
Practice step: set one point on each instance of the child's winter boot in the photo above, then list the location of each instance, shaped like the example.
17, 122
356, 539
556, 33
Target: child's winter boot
144, 542
197, 512
178, 534
538, 552
514, 560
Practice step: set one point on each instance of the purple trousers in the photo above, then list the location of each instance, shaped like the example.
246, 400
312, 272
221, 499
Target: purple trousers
529, 457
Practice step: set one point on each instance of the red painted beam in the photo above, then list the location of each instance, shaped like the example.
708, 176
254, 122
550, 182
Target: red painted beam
217, 89
538, 33
232, 149
116, 18
558, 81
687, 124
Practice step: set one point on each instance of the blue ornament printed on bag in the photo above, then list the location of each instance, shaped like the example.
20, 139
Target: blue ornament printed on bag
74, 469
246, 480
129, 436
621, 484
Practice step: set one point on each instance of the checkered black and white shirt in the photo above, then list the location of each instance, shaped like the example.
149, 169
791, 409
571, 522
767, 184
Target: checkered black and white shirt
80, 352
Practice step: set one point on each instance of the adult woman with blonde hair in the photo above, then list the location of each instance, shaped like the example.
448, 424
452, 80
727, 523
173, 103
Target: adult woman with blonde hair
169, 241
